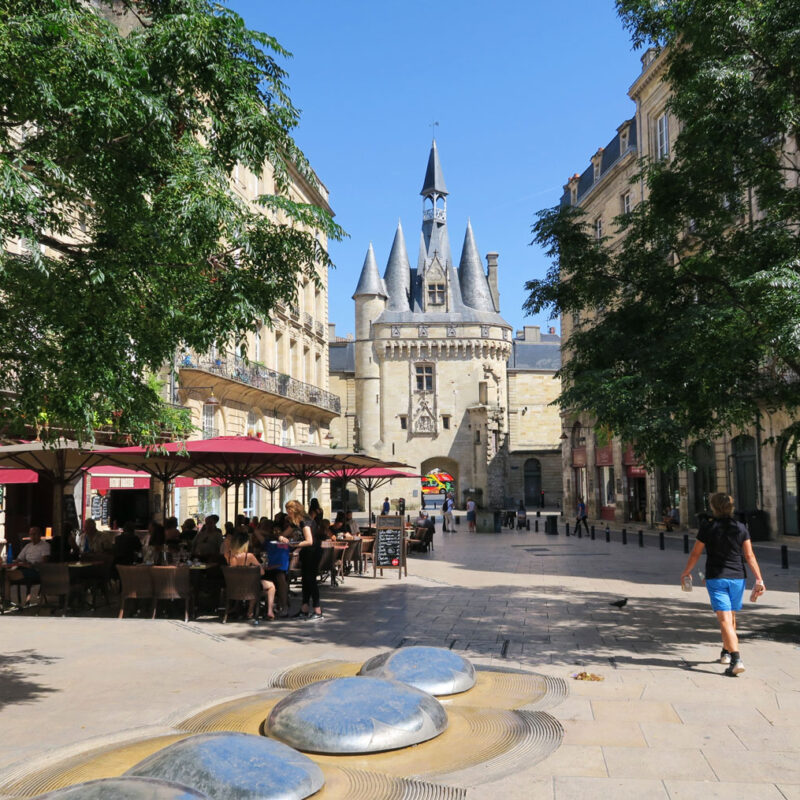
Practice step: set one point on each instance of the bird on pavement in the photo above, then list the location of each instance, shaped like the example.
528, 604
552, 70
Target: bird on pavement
619, 603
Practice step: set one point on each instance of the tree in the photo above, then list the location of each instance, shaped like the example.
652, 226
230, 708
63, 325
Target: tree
695, 313
120, 124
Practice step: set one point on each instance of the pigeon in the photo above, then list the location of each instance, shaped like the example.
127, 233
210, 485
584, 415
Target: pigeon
619, 603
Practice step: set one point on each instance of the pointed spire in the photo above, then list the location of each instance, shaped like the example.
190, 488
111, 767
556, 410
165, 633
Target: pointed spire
398, 274
423, 256
474, 286
434, 179
370, 281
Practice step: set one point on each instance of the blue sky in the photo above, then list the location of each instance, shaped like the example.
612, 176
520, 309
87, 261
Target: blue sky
524, 93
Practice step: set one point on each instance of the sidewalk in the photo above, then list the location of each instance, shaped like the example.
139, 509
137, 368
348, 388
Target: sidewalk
664, 722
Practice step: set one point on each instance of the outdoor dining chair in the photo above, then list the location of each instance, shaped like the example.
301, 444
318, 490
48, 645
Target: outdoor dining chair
136, 583
171, 583
242, 584
55, 588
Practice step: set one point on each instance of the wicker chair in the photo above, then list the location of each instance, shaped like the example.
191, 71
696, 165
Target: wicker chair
136, 584
55, 584
171, 583
242, 584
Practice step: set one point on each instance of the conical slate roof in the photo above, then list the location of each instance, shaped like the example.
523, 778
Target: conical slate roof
370, 282
474, 286
423, 256
397, 277
434, 179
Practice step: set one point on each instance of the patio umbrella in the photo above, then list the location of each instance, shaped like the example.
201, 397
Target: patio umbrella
228, 460
61, 461
370, 479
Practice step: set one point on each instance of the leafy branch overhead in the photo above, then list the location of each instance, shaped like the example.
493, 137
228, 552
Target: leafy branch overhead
690, 325
120, 127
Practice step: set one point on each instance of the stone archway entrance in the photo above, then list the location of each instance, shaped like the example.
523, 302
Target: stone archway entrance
440, 475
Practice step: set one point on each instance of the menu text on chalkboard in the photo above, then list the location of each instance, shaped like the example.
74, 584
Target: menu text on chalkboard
390, 549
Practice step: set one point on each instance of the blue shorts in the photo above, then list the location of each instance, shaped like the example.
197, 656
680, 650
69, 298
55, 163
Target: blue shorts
725, 593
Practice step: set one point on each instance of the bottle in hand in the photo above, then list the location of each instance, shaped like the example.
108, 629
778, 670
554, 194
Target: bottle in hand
686, 584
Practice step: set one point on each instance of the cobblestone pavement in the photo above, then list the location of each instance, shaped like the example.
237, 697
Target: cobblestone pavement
664, 722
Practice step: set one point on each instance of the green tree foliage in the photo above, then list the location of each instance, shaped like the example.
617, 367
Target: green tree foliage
690, 326
120, 124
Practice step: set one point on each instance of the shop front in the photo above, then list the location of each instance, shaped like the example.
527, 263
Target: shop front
606, 487
637, 487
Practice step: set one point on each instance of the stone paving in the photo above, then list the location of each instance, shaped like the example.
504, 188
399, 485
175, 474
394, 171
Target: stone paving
664, 722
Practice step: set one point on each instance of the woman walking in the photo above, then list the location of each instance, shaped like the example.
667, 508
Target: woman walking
310, 545
728, 546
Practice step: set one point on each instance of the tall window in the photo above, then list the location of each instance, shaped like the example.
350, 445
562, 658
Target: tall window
436, 294
626, 203
209, 418
424, 378
705, 476
598, 228
662, 136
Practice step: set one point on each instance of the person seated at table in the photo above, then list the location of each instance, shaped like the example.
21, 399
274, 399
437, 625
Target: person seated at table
278, 557
207, 543
522, 516
315, 510
89, 540
71, 551
36, 552
239, 556
188, 530
424, 521
254, 523
338, 525
172, 533
351, 525
671, 518
127, 546
260, 535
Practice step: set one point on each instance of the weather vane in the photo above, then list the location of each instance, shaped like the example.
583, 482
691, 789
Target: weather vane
434, 125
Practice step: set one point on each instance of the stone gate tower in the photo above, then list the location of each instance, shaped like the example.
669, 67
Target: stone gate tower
431, 354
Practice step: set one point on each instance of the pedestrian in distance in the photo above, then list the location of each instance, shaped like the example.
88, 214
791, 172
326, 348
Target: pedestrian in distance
728, 546
386, 508
581, 516
471, 514
447, 510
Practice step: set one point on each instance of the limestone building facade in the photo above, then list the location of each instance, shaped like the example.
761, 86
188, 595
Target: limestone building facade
437, 379
605, 473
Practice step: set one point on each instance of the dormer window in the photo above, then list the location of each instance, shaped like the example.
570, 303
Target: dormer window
597, 171
623, 142
436, 294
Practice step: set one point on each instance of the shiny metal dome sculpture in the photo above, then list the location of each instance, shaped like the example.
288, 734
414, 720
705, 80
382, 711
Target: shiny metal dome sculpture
432, 669
235, 766
124, 789
356, 715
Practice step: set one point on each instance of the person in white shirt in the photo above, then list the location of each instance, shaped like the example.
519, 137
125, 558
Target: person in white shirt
35, 552
447, 507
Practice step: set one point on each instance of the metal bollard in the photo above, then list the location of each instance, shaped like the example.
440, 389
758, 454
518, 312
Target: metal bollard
784, 556
661, 540
641, 538
685, 542
536, 526
566, 527
591, 533
527, 524
608, 534
580, 530
624, 536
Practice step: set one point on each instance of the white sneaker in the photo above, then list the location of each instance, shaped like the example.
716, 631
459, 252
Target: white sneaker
735, 668
724, 657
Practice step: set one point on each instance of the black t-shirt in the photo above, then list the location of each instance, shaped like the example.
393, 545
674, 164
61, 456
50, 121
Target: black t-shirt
724, 539
314, 550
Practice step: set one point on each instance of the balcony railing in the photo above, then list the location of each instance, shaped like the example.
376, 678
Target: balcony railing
235, 368
319, 328
308, 321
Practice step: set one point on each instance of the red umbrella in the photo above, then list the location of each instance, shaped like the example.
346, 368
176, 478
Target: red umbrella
369, 479
9, 475
228, 460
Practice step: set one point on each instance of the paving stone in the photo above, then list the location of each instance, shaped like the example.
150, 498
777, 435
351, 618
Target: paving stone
603, 733
709, 790
633, 711
634, 762
766, 766
606, 788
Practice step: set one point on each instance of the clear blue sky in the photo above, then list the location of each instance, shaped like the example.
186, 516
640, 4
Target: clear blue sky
524, 93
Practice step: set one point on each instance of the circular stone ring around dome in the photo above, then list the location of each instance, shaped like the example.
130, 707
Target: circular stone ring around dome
356, 715
432, 669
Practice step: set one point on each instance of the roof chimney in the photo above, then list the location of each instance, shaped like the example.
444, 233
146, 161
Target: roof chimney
491, 264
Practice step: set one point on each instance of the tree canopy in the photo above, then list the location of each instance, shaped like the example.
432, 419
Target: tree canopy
120, 125
694, 323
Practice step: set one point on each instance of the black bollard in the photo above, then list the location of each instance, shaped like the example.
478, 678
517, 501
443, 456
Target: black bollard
566, 527
527, 524
685, 542
608, 534
661, 540
536, 526
624, 536
591, 533
641, 538
784, 556
580, 530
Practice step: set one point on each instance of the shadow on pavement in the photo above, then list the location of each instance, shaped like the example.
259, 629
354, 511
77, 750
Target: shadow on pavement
16, 686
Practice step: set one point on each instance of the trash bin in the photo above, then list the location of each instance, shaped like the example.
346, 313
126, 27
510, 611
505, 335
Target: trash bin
551, 525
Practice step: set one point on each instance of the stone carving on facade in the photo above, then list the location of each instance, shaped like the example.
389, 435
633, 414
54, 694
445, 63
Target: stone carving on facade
423, 330
395, 330
485, 331
451, 330
423, 418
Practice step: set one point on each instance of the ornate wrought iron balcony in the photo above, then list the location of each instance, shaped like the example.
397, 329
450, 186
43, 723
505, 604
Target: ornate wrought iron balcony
251, 373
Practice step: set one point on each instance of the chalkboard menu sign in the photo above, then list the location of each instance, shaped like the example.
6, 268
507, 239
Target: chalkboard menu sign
390, 551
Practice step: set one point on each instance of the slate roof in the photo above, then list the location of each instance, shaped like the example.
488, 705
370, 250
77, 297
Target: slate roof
342, 356
434, 178
545, 356
611, 154
370, 282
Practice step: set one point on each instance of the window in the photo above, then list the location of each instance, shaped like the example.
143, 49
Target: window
424, 378
257, 343
623, 142
597, 171
478, 436
209, 417
598, 228
436, 294
626, 203
403, 422
446, 422
662, 136
605, 484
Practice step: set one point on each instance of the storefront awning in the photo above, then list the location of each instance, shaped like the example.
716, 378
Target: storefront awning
9, 475
108, 477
